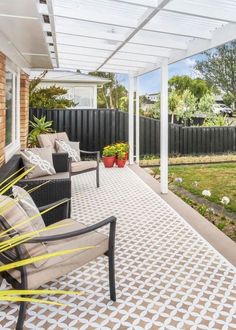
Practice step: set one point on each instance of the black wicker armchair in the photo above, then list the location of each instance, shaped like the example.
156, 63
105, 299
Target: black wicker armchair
71, 236
54, 188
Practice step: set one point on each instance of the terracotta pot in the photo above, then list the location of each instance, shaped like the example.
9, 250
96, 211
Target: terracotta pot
108, 161
127, 156
121, 162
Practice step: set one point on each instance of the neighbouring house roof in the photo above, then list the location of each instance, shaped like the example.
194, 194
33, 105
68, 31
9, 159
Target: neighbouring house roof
68, 76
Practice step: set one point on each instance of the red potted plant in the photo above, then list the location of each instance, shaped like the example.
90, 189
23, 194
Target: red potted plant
121, 158
122, 146
109, 156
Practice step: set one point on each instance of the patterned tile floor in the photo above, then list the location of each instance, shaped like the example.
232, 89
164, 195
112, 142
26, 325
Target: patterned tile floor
168, 277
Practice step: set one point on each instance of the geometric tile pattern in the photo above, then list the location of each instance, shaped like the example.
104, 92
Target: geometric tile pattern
168, 276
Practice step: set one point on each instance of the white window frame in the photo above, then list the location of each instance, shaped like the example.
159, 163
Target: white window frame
14, 146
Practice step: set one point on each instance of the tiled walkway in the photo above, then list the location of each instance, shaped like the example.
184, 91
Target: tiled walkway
168, 277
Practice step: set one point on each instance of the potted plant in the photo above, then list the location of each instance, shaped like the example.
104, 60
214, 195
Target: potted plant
109, 156
124, 147
121, 158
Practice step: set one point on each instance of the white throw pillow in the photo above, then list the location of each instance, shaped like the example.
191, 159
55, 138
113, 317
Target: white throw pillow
41, 158
71, 147
29, 206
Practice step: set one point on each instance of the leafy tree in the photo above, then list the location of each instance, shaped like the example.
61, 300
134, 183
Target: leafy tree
174, 103
228, 99
198, 87
112, 94
219, 68
205, 104
49, 98
187, 106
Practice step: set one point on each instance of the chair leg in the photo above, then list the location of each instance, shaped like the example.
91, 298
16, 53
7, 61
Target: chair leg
97, 176
112, 282
21, 316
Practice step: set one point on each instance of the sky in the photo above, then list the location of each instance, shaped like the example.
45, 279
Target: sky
150, 82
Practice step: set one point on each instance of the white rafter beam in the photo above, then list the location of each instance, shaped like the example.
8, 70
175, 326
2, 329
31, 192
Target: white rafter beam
145, 20
219, 37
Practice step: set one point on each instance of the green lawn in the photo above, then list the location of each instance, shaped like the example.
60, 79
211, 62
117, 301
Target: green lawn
220, 179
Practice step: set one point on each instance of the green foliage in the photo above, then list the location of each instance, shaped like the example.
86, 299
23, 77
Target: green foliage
109, 151
52, 97
111, 95
221, 225
39, 126
205, 104
198, 87
187, 106
216, 120
174, 103
219, 66
228, 99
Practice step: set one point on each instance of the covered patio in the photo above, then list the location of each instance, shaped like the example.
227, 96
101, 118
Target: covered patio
174, 270
168, 276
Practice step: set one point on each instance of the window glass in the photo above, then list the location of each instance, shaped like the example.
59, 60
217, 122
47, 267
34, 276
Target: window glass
9, 106
83, 97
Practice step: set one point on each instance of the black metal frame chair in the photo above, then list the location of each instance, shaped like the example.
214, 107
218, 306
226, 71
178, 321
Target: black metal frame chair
97, 153
8, 256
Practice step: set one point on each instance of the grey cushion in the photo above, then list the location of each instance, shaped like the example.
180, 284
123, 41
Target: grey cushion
27, 203
40, 159
62, 265
48, 140
71, 147
57, 176
83, 166
14, 214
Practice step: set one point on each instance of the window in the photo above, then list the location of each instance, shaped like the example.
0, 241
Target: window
12, 110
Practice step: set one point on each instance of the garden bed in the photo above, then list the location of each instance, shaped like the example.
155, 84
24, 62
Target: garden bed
219, 180
153, 160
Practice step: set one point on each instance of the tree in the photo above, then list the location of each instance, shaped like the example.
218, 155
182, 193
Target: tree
198, 87
205, 104
52, 97
187, 106
112, 94
174, 102
219, 68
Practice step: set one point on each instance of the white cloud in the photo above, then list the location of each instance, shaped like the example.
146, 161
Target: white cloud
190, 62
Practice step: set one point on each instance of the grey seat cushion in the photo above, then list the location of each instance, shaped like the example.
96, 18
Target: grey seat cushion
57, 176
62, 265
83, 165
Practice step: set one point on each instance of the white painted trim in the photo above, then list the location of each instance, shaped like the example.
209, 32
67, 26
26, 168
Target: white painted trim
164, 128
14, 146
131, 119
137, 121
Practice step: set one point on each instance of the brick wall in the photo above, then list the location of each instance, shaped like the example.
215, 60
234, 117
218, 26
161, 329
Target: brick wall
24, 109
2, 107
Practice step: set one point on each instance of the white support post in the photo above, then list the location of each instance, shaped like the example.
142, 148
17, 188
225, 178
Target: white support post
137, 137
131, 119
164, 127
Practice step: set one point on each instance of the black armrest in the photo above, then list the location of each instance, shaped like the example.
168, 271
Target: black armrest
57, 203
61, 162
110, 220
92, 153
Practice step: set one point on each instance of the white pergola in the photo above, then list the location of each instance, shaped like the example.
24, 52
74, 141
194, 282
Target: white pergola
132, 37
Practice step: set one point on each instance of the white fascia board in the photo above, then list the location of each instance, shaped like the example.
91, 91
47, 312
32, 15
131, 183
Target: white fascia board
219, 37
8, 49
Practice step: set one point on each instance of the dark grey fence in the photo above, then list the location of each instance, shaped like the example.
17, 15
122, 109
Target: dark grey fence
95, 128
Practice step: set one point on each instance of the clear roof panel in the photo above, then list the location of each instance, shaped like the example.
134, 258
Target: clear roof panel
133, 36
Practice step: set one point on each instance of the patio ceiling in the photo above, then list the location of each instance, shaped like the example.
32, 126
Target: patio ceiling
133, 36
